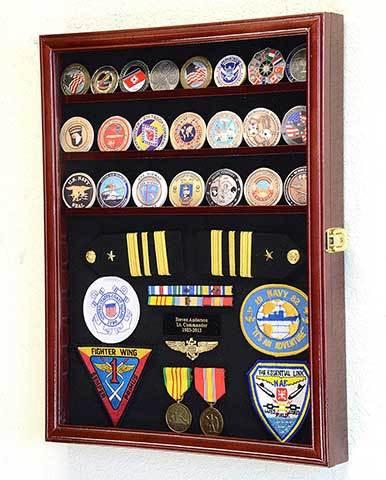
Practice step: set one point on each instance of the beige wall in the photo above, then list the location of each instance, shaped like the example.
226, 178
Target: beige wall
23, 451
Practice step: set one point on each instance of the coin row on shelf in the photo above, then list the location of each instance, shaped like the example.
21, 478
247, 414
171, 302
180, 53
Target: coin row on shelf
267, 66
261, 128
224, 187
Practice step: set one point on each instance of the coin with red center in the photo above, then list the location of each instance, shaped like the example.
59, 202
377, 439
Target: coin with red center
115, 134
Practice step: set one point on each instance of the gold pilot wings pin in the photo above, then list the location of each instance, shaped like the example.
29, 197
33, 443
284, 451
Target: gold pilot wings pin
115, 372
280, 394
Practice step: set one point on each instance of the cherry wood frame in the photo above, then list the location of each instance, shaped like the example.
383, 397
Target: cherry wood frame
324, 34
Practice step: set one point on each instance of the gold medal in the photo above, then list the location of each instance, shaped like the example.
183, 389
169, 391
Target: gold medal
187, 189
177, 382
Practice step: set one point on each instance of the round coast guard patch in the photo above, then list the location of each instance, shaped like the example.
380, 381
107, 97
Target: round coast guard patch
111, 309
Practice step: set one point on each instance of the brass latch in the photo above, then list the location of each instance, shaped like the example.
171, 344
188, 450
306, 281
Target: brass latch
336, 240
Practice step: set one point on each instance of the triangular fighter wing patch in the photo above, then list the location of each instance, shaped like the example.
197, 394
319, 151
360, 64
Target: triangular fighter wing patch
115, 372
280, 394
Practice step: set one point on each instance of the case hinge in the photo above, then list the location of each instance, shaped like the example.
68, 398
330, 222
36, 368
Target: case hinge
336, 240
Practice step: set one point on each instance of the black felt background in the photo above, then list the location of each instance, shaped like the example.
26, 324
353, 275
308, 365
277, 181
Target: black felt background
147, 407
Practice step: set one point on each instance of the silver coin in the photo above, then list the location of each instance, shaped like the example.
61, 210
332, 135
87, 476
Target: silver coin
296, 64
164, 75
224, 188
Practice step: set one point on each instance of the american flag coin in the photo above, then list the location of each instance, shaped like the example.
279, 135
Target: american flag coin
261, 128
266, 67
134, 77
75, 80
296, 64
188, 131
294, 126
263, 188
196, 73
295, 187
105, 80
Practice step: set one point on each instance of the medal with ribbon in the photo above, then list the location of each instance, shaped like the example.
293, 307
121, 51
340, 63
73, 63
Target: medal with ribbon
210, 384
177, 382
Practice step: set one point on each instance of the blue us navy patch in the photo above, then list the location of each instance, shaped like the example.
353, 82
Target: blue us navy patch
274, 320
280, 394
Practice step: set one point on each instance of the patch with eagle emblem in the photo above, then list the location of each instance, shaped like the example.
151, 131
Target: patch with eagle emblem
280, 394
115, 372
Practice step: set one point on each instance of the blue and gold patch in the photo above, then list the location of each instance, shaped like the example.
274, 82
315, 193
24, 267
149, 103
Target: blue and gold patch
274, 320
280, 394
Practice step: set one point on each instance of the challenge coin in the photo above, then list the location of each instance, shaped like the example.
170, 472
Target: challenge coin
113, 190
296, 65
111, 309
151, 132
266, 66
294, 126
196, 73
150, 190
261, 128
114, 134
105, 80
165, 75
225, 130
134, 77
274, 320
187, 189
230, 71
263, 187
75, 80
295, 187
79, 191
188, 131
76, 135
224, 188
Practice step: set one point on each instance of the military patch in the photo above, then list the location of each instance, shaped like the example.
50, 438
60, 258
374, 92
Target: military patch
274, 319
115, 372
280, 394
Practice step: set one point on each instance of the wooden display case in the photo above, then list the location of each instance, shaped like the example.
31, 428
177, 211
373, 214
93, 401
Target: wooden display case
74, 412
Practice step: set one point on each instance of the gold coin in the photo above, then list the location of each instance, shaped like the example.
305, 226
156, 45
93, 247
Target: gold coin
187, 189
76, 135
178, 417
188, 131
211, 421
262, 128
105, 80
196, 73
263, 188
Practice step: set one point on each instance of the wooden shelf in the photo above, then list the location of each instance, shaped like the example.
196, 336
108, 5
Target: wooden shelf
199, 153
281, 87
204, 210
